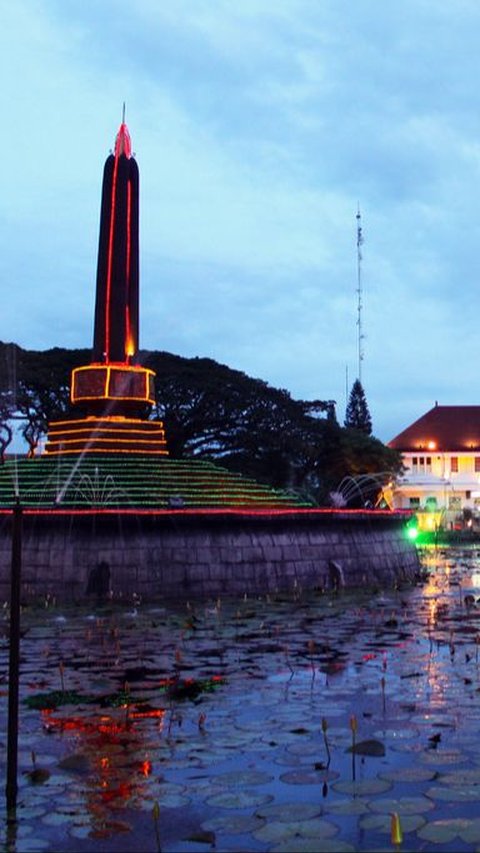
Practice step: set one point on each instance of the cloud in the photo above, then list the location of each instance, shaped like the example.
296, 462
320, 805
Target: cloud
258, 128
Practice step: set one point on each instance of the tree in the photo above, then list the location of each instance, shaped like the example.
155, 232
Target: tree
211, 412
35, 388
6, 430
43, 389
357, 415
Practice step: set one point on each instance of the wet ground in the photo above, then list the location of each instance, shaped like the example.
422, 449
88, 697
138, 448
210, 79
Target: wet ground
300, 723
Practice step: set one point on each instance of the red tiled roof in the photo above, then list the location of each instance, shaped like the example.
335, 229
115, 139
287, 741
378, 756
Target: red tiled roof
443, 428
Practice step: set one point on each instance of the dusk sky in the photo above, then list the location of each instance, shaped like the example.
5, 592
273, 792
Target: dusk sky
259, 126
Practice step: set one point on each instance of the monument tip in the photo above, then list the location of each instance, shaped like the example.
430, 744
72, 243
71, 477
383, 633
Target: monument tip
123, 143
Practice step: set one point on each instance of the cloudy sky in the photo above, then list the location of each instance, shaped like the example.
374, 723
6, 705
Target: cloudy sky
259, 126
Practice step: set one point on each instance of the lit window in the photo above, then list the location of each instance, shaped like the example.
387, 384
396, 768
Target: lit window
477, 464
454, 464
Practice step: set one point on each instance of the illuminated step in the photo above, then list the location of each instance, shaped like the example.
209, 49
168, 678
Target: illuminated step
105, 435
128, 481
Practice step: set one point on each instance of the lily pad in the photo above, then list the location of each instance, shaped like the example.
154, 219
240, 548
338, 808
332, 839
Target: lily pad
454, 794
465, 776
26, 813
411, 747
306, 748
239, 799
56, 818
242, 777
108, 828
257, 726
439, 757
281, 831
42, 758
308, 777
80, 831
54, 699
445, 831
34, 845
352, 806
470, 834
236, 824
372, 747
408, 774
77, 762
383, 822
402, 805
314, 845
37, 776
289, 812
202, 836
401, 733
362, 787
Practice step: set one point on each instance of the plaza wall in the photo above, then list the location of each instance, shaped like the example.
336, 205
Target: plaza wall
177, 556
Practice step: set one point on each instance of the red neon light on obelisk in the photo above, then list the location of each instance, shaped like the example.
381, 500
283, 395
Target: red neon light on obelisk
114, 393
116, 308
114, 384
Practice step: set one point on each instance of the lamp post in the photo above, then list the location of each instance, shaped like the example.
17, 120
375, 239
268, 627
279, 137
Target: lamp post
14, 661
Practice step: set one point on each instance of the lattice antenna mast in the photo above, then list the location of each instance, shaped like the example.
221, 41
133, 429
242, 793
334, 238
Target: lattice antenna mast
360, 335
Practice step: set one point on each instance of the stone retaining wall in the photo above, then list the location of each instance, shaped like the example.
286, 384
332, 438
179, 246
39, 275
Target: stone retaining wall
190, 557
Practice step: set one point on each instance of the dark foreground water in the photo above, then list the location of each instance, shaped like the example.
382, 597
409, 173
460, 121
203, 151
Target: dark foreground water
230, 726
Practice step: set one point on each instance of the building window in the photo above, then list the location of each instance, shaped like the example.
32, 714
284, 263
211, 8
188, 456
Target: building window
421, 464
454, 464
477, 464
455, 504
468, 495
431, 504
414, 503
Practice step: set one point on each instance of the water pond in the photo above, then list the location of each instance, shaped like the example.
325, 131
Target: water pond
302, 723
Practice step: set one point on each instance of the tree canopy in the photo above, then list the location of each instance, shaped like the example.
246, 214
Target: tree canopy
357, 415
35, 387
209, 411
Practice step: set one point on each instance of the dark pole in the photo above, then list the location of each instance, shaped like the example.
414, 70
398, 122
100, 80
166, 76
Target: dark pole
14, 659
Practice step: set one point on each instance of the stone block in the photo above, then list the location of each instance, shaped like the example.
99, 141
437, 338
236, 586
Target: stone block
291, 552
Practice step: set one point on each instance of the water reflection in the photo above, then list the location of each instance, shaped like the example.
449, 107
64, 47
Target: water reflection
180, 706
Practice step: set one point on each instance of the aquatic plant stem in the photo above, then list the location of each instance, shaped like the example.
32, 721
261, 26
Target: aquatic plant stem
156, 822
325, 739
353, 727
287, 660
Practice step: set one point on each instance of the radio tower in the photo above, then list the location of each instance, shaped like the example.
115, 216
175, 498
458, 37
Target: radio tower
360, 334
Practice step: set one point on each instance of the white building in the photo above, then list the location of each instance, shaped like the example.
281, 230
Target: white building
441, 454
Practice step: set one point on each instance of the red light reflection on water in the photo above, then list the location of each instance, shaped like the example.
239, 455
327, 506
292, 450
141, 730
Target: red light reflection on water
110, 781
